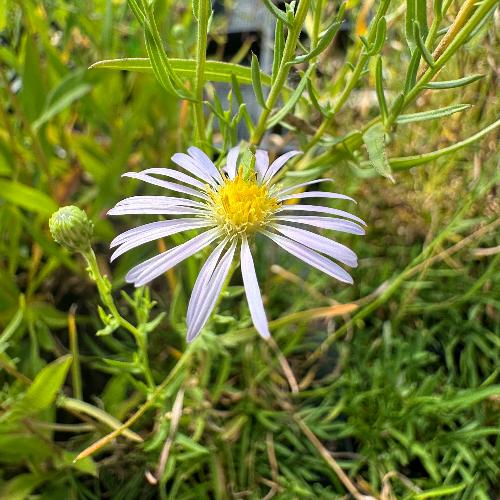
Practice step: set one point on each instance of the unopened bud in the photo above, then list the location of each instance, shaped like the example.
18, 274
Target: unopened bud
71, 228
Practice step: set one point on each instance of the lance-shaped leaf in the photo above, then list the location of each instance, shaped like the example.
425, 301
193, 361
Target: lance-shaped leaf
323, 43
215, 71
256, 81
379, 86
432, 114
380, 34
292, 100
413, 161
277, 13
279, 46
452, 84
421, 45
411, 15
374, 138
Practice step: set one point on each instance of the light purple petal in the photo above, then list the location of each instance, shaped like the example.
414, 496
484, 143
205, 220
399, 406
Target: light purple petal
206, 272
346, 226
252, 291
311, 257
320, 244
206, 163
187, 163
155, 233
206, 302
175, 174
315, 194
173, 186
302, 184
278, 163
261, 163
320, 209
155, 209
151, 268
152, 226
231, 162
139, 201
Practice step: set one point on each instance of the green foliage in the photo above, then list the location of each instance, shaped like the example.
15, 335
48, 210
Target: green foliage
400, 391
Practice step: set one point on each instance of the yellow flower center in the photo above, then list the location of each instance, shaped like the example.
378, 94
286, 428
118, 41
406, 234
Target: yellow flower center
241, 206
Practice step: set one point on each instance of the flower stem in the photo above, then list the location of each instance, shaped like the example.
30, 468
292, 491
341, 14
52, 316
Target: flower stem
104, 288
201, 54
284, 68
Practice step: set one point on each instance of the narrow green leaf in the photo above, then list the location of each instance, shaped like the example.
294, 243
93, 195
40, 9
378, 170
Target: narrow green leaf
160, 67
374, 139
440, 491
421, 45
409, 19
65, 100
397, 105
292, 100
239, 98
314, 99
432, 114
277, 13
323, 43
279, 45
138, 11
43, 391
33, 91
379, 86
381, 32
13, 324
421, 17
215, 71
452, 84
411, 73
413, 161
365, 42
195, 5
256, 81
96, 413
27, 197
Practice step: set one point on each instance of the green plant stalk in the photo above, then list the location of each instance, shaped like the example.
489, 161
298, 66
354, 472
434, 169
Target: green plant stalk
316, 23
413, 94
461, 29
105, 293
75, 405
431, 35
284, 68
353, 80
186, 356
201, 56
75, 365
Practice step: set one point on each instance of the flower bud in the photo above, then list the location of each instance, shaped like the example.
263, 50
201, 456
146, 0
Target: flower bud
71, 228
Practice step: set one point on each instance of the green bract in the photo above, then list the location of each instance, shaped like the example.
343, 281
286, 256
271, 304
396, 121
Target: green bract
71, 228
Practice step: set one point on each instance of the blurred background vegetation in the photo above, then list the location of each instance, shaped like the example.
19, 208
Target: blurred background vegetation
402, 395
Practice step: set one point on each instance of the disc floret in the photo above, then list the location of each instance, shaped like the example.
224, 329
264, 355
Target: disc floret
242, 205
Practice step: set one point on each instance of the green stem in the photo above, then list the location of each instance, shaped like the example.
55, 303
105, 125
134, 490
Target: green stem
316, 23
284, 68
458, 34
104, 288
201, 54
352, 82
75, 365
185, 358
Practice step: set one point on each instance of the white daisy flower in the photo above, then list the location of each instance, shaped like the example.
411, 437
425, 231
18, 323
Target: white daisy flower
232, 208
